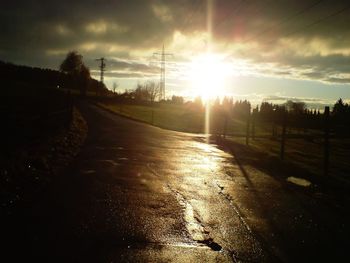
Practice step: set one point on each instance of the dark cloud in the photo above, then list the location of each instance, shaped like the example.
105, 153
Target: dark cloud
125, 75
40, 25
118, 68
132, 66
284, 32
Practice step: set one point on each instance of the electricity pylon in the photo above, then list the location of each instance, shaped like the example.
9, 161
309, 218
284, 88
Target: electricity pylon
162, 55
102, 67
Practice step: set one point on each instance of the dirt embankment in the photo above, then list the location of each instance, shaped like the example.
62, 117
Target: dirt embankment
28, 170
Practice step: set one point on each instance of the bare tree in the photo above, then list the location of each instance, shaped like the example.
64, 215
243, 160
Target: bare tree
148, 92
153, 90
115, 86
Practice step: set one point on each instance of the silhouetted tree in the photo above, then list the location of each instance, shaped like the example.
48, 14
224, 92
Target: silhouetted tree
295, 107
84, 77
198, 101
217, 102
146, 92
177, 99
340, 108
115, 86
241, 108
73, 65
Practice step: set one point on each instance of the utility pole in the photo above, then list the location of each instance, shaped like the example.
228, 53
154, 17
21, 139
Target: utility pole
162, 55
102, 67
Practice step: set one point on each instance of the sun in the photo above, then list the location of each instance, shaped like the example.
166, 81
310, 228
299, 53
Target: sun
208, 73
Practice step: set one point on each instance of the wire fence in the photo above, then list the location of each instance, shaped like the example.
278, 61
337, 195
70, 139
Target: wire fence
320, 140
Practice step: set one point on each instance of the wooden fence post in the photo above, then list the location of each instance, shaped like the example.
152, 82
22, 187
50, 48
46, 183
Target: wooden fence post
248, 127
152, 117
326, 141
253, 123
283, 135
225, 125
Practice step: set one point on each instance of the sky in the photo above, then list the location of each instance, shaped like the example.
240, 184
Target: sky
262, 50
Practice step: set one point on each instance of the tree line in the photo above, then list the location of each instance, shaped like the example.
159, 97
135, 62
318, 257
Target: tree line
72, 75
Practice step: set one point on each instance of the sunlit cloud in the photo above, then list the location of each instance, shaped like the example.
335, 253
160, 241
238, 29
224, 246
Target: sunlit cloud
63, 30
162, 12
103, 27
258, 38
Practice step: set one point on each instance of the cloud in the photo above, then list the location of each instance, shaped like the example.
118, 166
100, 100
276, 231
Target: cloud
311, 103
275, 38
126, 68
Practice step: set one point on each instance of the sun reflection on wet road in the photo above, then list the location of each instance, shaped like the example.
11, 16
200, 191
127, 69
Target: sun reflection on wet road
173, 197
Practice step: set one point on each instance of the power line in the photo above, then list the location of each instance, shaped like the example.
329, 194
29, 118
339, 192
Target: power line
301, 12
240, 4
320, 20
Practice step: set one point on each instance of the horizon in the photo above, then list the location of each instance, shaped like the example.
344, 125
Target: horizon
175, 131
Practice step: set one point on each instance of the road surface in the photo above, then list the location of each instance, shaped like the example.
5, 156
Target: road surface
138, 193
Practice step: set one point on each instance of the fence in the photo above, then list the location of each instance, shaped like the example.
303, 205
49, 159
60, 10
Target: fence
300, 137
321, 131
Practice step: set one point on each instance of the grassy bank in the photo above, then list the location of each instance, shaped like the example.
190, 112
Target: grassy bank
305, 154
28, 169
172, 117
185, 118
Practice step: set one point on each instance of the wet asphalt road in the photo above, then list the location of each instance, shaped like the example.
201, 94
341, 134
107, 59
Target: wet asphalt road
138, 193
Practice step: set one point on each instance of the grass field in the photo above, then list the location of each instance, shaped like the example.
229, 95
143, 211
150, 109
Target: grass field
184, 118
302, 153
173, 117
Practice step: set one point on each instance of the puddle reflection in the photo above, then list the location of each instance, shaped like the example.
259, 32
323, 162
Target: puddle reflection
299, 181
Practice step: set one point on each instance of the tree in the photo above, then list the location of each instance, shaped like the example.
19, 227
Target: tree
198, 101
115, 86
147, 92
84, 77
73, 65
340, 108
295, 107
177, 99
153, 90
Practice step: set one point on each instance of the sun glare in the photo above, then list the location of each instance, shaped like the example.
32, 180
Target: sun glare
208, 73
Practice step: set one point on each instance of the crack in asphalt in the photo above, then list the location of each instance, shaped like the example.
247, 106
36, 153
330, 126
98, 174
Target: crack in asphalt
256, 236
234, 206
195, 227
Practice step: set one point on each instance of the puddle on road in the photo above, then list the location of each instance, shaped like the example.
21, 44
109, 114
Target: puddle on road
205, 147
299, 181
